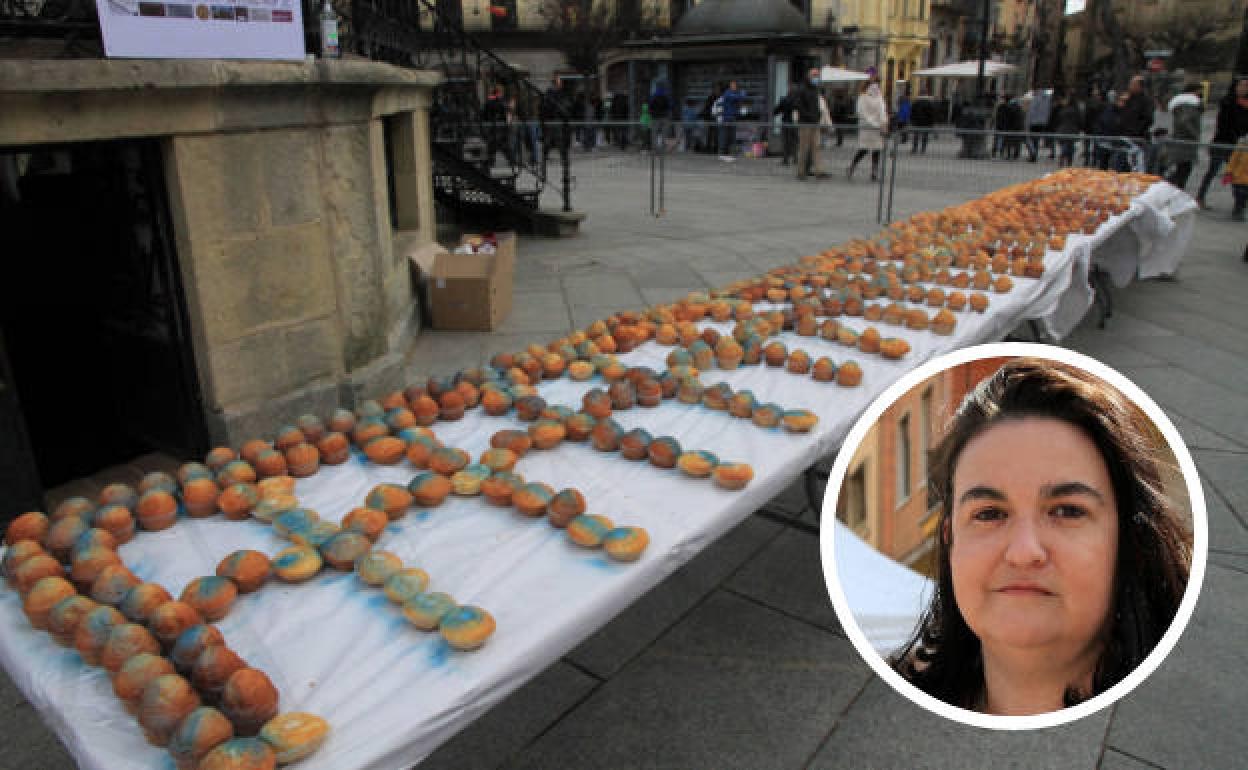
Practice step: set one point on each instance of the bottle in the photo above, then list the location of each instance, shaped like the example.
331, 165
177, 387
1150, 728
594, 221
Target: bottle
329, 32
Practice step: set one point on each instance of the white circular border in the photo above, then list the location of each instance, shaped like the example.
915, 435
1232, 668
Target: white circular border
1200, 527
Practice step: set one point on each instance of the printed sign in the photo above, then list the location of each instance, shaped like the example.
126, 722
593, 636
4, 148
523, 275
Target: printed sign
198, 29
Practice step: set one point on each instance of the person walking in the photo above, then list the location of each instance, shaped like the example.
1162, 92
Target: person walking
1066, 122
806, 115
904, 109
730, 105
1185, 110
1039, 111
494, 116
872, 128
556, 112
1232, 123
1092, 109
788, 129
661, 112
922, 118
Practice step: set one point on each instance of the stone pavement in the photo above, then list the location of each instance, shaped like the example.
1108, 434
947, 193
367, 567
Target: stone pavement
737, 660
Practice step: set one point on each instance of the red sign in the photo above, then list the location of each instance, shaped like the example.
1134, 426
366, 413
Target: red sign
1156, 65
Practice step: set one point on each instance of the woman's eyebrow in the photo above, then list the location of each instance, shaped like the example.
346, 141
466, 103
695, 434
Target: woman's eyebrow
1068, 488
982, 493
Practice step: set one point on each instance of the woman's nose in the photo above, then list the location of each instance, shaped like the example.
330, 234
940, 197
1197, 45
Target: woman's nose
1025, 547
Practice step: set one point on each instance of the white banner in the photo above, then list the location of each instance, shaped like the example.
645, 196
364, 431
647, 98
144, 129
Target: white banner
198, 29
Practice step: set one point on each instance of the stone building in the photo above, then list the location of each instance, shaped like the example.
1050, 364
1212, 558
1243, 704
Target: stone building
212, 248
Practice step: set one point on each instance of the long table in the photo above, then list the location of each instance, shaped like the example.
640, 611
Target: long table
392, 694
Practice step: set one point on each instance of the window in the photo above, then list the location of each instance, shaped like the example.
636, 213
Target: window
903, 459
925, 430
922, 9
851, 508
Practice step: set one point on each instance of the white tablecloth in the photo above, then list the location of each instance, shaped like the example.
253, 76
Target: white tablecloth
1147, 240
391, 693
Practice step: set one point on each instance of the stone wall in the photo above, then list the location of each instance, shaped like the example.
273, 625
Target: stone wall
277, 183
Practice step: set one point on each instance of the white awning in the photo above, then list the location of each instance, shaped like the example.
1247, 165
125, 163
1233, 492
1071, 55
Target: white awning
967, 69
838, 75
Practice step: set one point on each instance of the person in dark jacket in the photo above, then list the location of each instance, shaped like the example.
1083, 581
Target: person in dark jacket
1108, 125
1066, 123
1092, 109
661, 111
494, 116
1010, 121
922, 118
806, 107
788, 130
556, 110
1232, 123
1136, 117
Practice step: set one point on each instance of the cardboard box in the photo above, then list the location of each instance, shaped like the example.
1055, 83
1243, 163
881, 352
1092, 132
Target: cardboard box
472, 292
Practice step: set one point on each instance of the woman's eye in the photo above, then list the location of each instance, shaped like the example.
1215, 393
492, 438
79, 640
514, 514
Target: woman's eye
988, 514
1069, 512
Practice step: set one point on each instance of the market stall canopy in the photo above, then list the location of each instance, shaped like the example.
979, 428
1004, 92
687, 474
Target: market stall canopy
837, 75
967, 69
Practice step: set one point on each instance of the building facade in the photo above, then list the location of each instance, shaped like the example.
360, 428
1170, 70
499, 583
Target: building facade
884, 497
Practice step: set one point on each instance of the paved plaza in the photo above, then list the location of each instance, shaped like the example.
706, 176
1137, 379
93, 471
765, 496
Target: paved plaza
737, 660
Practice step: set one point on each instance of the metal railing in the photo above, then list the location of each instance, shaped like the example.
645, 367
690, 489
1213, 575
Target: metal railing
422, 35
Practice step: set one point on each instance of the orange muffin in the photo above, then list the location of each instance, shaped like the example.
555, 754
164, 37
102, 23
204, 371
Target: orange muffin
249, 700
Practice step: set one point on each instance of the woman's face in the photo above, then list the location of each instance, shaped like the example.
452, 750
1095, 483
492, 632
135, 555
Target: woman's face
1241, 89
1034, 538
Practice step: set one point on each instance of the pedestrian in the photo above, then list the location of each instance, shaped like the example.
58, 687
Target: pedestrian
1092, 109
494, 116
1232, 123
788, 129
556, 111
872, 127
922, 118
1066, 120
904, 109
730, 109
806, 116
1135, 119
1109, 152
1237, 177
1185, 110
1012, 120
661, 111
1039, 111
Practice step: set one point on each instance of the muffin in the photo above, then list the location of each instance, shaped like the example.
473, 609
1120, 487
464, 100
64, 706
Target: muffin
246, 569
201, 731
294, 735
211, 596
166, 701
249, 700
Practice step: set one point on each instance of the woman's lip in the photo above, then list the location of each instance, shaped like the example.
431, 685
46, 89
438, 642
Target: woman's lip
1024, 590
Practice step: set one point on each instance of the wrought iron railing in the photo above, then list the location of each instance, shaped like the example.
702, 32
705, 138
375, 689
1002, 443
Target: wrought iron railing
424, 34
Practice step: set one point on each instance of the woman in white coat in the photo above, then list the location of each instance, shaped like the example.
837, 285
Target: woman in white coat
872, 127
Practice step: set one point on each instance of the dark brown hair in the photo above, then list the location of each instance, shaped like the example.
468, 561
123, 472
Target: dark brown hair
944, 658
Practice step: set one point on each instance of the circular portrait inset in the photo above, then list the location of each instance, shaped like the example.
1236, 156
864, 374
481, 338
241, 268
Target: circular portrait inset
1014, 536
